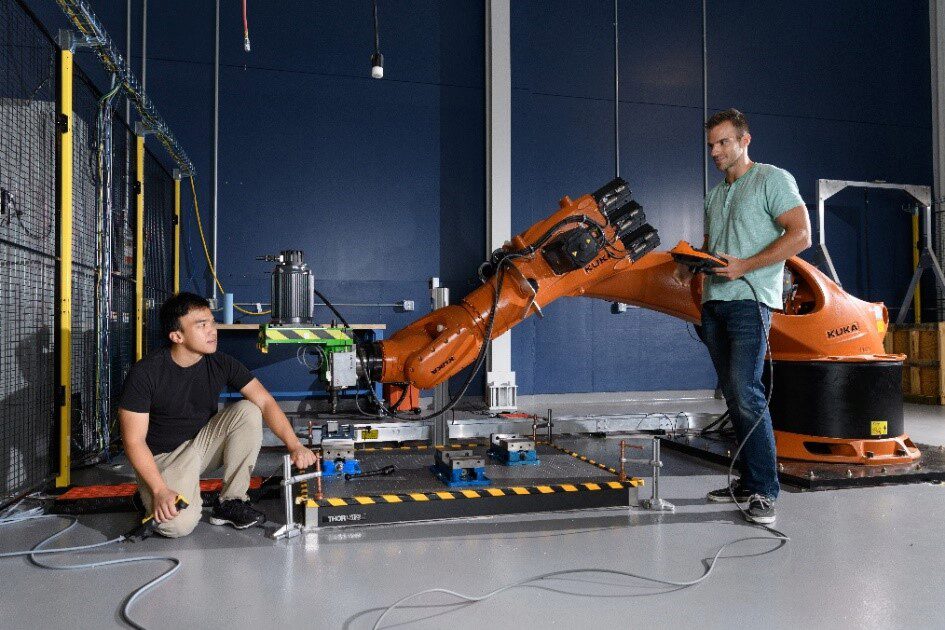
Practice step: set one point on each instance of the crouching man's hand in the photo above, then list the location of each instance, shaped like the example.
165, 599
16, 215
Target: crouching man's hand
165, 505
301, 457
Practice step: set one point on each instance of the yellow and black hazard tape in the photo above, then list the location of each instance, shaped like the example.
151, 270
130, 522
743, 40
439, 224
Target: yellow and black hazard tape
469, 493
585, 459
307, 334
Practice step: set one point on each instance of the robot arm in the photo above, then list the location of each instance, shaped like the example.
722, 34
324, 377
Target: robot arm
599, 246
585, 242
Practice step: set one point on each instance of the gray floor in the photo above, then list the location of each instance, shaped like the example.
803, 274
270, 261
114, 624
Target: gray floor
858, 558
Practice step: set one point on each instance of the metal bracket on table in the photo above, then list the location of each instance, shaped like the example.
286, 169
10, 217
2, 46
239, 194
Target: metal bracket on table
547, 424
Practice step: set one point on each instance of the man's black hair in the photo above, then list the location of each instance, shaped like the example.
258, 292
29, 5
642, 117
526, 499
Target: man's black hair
731, 115
176, 307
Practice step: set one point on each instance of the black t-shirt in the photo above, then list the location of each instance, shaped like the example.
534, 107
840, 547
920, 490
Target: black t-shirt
180, 400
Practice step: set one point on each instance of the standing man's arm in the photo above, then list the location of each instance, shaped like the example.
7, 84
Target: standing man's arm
275, 419
796, 238
134, 430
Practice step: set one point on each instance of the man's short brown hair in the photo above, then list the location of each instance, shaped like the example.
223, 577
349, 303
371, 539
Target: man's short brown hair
731, 115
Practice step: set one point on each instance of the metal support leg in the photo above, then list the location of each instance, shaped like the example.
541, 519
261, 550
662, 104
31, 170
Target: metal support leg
440, 430
822, 257
291, 529
927, 260
655, 503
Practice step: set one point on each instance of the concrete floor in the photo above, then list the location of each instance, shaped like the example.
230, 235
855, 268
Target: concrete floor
858, 558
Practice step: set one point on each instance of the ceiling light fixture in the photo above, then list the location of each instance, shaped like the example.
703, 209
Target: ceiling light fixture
377, 59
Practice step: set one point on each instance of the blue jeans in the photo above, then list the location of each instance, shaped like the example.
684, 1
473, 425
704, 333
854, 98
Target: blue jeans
736, 343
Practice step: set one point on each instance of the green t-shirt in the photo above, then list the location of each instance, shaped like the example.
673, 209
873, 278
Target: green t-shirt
740, 221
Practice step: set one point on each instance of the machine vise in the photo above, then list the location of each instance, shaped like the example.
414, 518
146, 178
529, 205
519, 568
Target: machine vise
460, 469
338, 457
513, 450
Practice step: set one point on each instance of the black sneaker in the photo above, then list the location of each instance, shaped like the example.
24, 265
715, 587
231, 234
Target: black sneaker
760, 510
724, 495
239, 514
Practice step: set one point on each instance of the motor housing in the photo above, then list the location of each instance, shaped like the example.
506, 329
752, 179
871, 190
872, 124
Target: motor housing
293, 289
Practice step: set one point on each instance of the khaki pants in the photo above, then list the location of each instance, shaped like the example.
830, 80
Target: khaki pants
231, 439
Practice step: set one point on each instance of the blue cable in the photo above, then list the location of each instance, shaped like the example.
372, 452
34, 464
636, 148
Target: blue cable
38, 550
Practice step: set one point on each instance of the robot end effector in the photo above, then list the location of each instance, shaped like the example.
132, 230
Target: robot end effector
569, 250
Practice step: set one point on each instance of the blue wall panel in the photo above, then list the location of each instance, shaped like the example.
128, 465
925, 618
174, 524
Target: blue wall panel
831, 92
381, 182
563, 143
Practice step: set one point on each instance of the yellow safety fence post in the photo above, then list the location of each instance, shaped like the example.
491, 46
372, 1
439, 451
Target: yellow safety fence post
139, 243
64, 254
177, 178
917, 297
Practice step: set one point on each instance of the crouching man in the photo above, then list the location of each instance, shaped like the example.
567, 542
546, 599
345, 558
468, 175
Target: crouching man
172, 431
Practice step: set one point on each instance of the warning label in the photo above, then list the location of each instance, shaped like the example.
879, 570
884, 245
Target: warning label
879, 427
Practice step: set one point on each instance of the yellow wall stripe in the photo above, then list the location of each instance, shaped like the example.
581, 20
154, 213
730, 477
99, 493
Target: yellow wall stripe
64, 251
139, 249
177, 177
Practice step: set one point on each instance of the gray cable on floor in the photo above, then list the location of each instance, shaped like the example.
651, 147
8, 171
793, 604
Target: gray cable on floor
37, 550
775, 534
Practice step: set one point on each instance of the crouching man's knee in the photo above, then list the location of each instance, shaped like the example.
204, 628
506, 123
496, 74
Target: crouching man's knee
185, 522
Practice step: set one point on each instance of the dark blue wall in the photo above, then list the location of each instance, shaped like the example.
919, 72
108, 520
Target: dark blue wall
381, 182
832, 90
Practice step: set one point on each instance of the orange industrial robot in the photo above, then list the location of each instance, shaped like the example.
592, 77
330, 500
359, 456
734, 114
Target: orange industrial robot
837, 396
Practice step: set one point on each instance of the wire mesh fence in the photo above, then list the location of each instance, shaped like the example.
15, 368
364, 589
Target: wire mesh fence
103, 249
28, 418
86, 432
121, 319
158, 251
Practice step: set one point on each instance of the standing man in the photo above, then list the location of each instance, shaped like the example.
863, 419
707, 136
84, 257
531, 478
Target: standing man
755, 219
172, 431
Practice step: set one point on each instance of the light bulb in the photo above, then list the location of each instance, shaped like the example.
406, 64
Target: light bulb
377, 65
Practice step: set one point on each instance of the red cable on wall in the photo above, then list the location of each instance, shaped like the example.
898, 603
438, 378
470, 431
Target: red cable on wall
245, 29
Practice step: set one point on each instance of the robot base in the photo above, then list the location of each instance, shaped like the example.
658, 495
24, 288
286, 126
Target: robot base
810, 448
840, 412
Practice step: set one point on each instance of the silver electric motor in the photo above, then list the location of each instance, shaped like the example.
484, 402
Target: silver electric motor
293, 288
